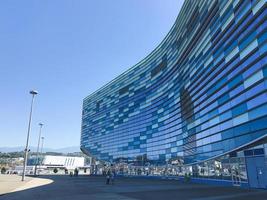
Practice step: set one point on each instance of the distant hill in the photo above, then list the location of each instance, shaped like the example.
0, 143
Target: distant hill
70, 149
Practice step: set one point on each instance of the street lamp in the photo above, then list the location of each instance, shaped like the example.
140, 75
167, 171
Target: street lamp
37, 153
42, 145
33, 93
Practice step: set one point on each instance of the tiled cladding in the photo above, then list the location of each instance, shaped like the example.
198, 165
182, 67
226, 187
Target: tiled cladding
201, 93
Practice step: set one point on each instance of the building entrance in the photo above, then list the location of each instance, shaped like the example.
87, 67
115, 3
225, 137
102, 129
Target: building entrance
257, 172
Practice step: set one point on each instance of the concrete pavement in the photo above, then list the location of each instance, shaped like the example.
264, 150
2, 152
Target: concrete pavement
94, 188
13, 183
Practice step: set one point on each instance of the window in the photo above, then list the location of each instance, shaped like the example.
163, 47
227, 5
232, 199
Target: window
124, 90
240, 119
232, 54
239, 109
258, 6
253, 79
258, 112
249, 48
248, 39
225, 116
257, 101
160, 67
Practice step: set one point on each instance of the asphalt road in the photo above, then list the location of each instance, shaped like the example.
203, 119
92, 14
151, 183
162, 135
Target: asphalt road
94, 188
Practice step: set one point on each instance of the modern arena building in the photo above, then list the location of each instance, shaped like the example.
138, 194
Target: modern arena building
196, 107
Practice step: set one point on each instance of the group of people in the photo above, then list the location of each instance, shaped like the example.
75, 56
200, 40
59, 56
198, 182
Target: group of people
76, 172
110, 177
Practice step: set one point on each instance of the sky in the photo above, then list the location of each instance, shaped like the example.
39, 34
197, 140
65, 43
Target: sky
66, 50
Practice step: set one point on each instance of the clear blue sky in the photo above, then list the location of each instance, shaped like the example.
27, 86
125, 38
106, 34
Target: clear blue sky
67, 50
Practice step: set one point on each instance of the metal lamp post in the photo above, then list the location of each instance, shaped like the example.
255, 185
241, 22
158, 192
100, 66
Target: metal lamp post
37, 153
33, 93
42, 145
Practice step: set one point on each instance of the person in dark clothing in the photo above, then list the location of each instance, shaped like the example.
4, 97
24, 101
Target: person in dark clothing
108, 177
76, 172
112, 177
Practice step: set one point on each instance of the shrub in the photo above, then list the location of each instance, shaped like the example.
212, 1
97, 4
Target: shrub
3, 170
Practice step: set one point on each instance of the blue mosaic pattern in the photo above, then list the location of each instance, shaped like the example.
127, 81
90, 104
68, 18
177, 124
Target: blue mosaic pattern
200, 94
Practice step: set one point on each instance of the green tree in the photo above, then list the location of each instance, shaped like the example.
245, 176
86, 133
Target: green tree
3, 170
55, 170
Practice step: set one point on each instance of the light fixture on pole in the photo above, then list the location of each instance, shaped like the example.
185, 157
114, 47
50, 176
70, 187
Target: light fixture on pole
37, 153
33, 93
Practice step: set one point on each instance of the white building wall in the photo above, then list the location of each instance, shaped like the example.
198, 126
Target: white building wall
65, 161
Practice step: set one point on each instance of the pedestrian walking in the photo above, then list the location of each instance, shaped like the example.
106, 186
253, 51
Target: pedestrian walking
112, 177
76, 172
108, 177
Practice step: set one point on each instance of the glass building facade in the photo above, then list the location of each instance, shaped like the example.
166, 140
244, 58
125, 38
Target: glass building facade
196, 106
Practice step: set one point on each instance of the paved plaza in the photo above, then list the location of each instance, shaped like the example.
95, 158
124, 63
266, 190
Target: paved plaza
9, 183
94, 187
13, 183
